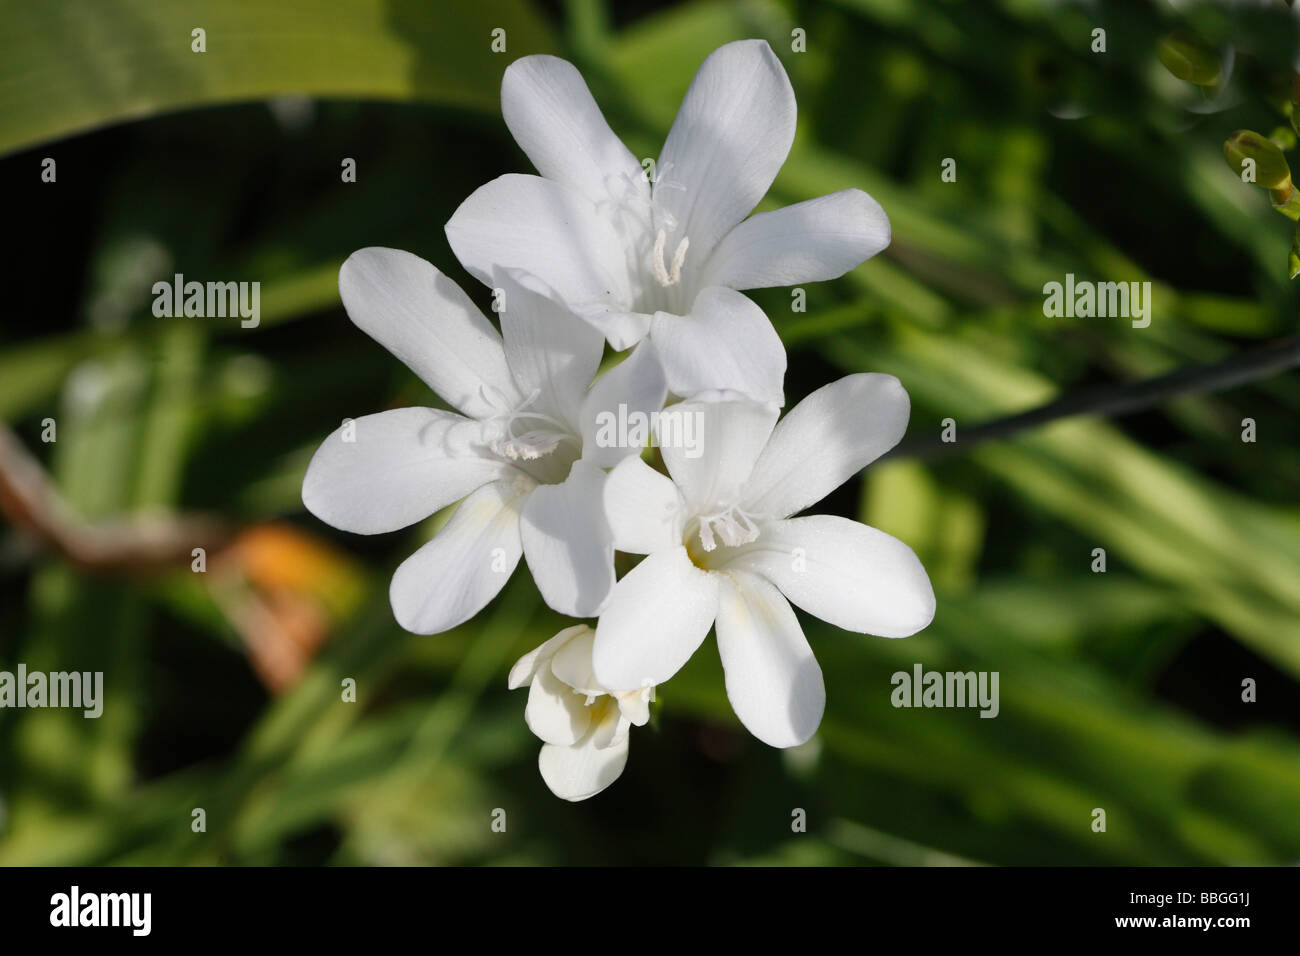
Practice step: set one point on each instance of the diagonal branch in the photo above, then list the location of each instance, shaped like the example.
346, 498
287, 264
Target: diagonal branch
32, 504
1124, 398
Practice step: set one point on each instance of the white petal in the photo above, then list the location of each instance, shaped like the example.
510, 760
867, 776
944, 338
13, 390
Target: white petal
846, 573
643, 508
427, 321
613, 727
731, 135
731, 433
389, 470
631, 391
826, 439
526, 667
725, 342
554, 712
568, 544
556, 122
453, 577
581, 771
571, 665
634, 705
772, 677
549, 349
657, 615
622, 328
557, 234
811, 241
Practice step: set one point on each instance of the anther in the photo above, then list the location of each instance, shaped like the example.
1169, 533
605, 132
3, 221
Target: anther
668, 275
679, 257
734, 526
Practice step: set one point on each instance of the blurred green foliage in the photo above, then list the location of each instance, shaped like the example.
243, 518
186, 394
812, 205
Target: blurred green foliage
1119, 691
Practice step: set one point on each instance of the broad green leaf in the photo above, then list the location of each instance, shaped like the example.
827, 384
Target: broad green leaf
79, 64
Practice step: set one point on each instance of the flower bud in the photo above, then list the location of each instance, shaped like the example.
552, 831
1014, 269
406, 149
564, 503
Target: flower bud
1257, 159
1189, 60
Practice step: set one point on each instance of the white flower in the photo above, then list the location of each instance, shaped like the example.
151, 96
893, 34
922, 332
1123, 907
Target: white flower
522, 451
722, 547
583, 725
663, 260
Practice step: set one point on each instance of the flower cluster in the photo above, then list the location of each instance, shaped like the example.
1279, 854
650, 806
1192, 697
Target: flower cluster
598, 250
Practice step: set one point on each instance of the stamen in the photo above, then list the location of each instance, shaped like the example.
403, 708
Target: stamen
706, 535
657, 260
666, 275
529, 447
734, 526
679, 257
500, 437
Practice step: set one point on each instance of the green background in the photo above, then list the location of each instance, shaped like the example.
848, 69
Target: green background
1119, 691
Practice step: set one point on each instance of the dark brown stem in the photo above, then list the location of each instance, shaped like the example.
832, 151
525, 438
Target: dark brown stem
1122, 399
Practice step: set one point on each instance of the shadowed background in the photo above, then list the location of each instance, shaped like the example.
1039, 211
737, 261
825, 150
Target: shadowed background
1120, 691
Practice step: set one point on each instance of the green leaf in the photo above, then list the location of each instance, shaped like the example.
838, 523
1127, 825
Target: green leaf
80, 64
